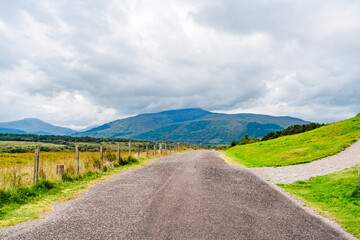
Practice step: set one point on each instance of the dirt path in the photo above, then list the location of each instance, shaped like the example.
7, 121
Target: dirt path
289, 174
190, 195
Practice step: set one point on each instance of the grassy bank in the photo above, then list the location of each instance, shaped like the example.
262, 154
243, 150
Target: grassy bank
24, 203
336, 196
301, 148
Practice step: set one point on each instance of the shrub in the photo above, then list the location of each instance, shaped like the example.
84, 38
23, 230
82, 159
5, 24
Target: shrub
131, 159
233, 143
22, 194
122, 161
246, 140
354, 193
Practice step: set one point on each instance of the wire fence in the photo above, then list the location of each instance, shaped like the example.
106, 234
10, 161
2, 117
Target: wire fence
17, 169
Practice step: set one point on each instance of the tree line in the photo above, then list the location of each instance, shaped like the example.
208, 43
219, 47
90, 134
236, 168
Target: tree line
291, 130
63, 140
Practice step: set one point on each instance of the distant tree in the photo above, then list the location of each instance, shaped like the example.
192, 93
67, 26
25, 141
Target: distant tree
245, 140
233, 143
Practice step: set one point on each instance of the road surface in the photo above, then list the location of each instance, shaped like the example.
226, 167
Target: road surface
190, 195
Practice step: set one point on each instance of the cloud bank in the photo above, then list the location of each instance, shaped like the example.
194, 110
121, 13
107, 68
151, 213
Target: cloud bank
76, 63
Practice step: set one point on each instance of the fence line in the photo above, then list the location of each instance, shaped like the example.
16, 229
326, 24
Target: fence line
51, 165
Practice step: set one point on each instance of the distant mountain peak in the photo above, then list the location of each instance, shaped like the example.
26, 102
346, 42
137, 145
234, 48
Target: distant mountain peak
185, 110
34, 126
32, 119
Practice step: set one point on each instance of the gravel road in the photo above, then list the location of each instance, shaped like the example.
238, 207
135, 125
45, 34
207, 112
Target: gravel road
289, 174
190, 195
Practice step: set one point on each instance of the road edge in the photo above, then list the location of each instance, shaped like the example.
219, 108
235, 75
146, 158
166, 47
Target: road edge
298, 201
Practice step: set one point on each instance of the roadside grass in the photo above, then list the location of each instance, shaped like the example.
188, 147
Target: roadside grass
300, 148
17, 169
336, 196
28, 202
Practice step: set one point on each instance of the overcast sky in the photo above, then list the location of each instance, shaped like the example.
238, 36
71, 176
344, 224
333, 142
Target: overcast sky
79, 63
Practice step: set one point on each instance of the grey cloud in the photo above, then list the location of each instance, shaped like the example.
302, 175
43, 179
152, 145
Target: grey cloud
123, 59
325, 36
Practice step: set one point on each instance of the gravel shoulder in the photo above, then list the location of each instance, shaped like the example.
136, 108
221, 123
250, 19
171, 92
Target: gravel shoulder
289, 174
190, 195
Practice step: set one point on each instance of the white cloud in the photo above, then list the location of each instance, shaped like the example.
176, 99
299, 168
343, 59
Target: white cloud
79, 64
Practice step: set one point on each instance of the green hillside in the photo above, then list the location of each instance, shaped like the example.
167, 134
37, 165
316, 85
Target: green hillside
301, 148
214, 131
266, 119
194, 125
129, 127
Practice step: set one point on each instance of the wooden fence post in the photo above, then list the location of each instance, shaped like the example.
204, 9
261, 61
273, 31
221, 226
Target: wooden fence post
118, 153
147, 150
36, 164
178, 147
130, 147
101, 157
154, 150
165, 149
138, 154
77, 159
60, 170
160, 149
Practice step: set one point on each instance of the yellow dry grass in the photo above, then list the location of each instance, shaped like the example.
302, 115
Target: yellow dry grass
17, 169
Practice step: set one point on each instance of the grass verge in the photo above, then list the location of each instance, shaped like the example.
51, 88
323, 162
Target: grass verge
336, 196
26, 203
300, 148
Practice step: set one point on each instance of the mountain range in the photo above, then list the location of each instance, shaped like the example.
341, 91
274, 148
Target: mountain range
34, 126
192, 125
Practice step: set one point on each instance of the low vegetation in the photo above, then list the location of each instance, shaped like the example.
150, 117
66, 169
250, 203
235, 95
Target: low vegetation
300, 148
21, 200
17, 169
22, 143
335, 195
23, 203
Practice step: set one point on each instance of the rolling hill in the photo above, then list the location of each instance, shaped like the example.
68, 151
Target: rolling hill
192, 125
34, 126
299, 148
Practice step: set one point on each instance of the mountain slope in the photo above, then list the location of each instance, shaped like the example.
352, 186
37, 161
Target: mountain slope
193, 126
216, 131
282, 121
132, 126
34, 126
11, 130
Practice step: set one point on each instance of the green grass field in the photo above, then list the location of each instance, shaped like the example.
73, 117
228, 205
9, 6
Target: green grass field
300, 148
334, 195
